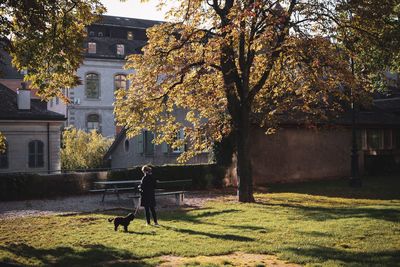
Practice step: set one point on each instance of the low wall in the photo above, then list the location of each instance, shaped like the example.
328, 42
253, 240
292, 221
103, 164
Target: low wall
19, 186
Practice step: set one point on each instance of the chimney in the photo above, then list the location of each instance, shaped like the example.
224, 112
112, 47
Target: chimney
23, 97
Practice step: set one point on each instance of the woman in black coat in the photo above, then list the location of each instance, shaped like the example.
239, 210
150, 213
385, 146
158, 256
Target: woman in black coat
147, 194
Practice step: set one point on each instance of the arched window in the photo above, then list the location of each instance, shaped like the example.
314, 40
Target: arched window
120, 82
100, 34
93, 122
4, 157
92, 86
36, 154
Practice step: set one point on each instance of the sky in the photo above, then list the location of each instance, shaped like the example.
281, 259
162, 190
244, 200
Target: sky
134, 9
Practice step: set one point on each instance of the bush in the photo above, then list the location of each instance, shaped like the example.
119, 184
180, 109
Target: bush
81, 150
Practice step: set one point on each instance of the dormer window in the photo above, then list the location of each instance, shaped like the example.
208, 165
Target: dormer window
91, 33
91, 48
100, 34
120, 49
129, 35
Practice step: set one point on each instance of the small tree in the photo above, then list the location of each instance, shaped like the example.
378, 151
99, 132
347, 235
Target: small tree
81, 150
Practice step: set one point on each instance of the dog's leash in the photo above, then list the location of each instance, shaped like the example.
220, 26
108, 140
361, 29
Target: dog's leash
137, 208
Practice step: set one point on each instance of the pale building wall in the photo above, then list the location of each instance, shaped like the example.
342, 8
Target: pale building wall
77, 113
125, 158
18, 135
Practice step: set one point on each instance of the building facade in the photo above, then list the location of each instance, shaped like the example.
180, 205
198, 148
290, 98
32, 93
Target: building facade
32, 133
107, 44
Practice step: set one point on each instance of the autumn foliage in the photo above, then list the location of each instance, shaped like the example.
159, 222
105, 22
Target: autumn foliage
81, 150
229, 64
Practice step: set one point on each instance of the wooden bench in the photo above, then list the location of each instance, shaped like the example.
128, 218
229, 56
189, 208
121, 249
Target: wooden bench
115, 187
179, 196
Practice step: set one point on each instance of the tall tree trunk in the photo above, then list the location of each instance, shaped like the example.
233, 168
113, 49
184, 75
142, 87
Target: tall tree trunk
244, 170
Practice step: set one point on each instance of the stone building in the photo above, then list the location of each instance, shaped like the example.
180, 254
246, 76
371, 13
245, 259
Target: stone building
297, 152
106, 46
32, 133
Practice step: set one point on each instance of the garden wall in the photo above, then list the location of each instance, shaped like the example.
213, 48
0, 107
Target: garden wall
18, 186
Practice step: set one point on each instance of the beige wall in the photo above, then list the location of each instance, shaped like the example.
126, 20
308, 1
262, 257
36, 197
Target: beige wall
122, 158
300, 154
19, 133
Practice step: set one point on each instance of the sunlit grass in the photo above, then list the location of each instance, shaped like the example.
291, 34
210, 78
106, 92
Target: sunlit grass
303, 228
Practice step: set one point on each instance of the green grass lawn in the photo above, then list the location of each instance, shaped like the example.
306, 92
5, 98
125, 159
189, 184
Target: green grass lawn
315, 224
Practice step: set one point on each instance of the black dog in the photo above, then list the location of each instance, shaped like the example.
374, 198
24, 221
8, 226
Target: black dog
124, 221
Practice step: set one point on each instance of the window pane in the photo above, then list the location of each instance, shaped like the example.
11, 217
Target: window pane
32, 161
39, 147
120, 82
93, 122
40, 160
92, 48
374, 139
387, 139
148, 145
32, 147
120, 49
130, 35
92, 85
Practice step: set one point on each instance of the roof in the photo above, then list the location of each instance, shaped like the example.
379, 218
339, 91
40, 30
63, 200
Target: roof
392, 104
121, 135
9, 109
7, 71
106, 47
113, 32
127, 22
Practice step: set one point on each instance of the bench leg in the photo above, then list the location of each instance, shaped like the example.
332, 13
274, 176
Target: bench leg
104, 195
179, 199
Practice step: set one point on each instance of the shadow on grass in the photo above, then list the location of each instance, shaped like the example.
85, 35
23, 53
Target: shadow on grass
377, 187
91, 255
332, 213
348, 257
211, 235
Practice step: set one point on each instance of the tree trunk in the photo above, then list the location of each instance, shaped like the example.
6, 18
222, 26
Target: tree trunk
244, 170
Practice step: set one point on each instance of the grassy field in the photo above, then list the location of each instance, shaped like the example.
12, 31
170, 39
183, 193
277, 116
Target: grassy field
315, 224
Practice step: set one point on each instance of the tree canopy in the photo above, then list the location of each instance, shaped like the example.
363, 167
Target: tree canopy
45, 38
230, 63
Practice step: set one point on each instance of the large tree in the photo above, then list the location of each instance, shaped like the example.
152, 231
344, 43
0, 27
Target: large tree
230, 63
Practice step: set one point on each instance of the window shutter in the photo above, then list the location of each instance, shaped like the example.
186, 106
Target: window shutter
140, 143
164, 147
182, 137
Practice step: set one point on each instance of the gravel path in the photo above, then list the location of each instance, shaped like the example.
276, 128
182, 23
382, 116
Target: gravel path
92, 203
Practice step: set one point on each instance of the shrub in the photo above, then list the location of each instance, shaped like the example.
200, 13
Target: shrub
81, 150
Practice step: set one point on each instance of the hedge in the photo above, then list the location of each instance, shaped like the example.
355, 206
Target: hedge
18, 186
202, 175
